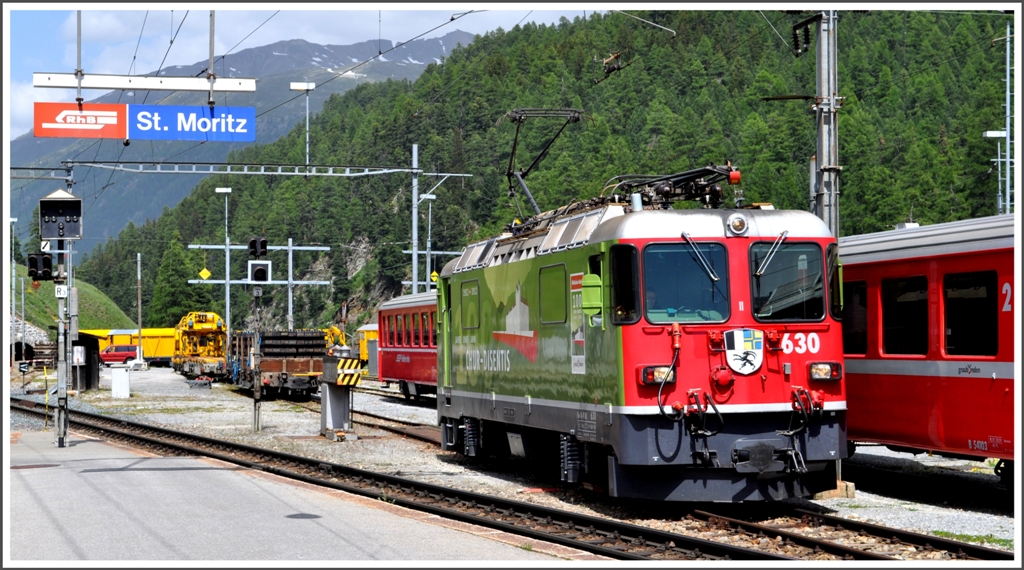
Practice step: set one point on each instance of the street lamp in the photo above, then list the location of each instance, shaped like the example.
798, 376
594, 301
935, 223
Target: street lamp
227, 268
307, 87
999, 171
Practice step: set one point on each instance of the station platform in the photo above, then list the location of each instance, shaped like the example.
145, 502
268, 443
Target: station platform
93, 501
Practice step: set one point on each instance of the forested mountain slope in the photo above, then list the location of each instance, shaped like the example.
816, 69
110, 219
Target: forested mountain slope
920, 87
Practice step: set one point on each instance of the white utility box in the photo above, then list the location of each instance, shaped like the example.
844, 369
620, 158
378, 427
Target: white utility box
119, 381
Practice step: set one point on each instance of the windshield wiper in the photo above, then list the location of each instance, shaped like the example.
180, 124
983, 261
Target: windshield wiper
771, 253
700, 256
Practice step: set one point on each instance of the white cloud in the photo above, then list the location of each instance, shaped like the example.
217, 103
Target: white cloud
22, 97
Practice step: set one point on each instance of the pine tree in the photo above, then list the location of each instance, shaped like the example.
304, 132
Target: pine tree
173, 296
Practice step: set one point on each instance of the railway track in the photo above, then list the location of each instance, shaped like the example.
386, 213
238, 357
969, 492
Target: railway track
422, 432
735, 540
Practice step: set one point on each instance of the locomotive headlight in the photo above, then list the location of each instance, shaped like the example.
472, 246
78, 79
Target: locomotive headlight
826, 371
737, 224
657, 375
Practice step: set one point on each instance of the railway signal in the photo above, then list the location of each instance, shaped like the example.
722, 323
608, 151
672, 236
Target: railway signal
60, 216
40, 266
259, 271
257, 247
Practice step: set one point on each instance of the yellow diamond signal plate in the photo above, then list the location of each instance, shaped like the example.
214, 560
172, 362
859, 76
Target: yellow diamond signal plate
205, 273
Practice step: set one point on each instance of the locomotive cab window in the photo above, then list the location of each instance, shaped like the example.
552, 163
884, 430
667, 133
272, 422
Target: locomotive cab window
787, 282
625, 301
685, 283
971, 313
835, 281
905, 315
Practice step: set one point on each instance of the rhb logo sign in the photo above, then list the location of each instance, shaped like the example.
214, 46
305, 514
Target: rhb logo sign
94, 121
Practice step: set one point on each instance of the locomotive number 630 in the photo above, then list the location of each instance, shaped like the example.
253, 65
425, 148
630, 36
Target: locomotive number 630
801, 343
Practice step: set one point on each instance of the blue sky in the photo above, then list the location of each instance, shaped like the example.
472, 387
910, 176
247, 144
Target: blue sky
129, 42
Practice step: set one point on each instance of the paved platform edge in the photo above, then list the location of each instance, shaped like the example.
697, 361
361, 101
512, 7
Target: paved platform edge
530, 544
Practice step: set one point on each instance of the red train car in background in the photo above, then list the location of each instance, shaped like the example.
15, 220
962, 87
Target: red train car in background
407, 343
928, 334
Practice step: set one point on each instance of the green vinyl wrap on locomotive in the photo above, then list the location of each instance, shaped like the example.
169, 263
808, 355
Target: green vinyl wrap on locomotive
518, 369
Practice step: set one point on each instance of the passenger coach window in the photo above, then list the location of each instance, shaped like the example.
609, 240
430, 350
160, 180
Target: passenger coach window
855, 317
624, 285
433, 329
905, 315
685, 282
391, 330
972, 311
416, 329
790, 285
553, 292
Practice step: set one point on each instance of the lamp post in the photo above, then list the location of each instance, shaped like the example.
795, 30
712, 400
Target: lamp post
307, 87
227, 267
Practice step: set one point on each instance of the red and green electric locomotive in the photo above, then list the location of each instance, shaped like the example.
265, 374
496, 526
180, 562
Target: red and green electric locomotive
652, 352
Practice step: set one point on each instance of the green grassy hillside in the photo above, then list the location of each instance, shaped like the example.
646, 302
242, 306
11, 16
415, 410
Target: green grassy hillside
95, 310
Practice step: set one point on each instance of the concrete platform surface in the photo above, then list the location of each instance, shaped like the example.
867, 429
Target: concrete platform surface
94, 501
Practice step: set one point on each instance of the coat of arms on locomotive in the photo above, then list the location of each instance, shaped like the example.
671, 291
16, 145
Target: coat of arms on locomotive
744, 350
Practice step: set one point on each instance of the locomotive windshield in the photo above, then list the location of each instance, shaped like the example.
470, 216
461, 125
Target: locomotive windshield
790, 287
678, 288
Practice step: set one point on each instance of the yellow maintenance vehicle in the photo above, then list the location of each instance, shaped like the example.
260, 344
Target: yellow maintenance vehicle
200, 344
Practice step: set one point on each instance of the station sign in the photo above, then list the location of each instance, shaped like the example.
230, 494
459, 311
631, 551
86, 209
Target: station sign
91, 121
193, 123
145, 122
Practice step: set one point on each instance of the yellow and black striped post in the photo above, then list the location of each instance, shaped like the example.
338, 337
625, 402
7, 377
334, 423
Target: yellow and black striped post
349, 372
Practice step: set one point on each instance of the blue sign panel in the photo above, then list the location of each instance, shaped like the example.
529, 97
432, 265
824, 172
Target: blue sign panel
177, 123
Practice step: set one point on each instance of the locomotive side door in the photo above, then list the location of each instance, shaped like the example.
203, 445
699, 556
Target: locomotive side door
444, 324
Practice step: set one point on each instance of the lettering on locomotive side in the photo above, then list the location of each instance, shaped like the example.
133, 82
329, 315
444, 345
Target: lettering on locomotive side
969, 369
403, 358
489, 360
586, 424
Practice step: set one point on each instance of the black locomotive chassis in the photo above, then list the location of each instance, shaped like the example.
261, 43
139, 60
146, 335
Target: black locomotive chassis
651, 457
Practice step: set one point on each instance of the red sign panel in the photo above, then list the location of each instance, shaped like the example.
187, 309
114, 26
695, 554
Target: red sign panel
92, 121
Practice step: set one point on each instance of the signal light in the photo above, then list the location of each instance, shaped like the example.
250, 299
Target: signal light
47, 271
257, 246
40, 266
259, 271
60, 216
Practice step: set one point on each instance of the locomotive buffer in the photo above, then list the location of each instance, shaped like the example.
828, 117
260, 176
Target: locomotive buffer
341, 373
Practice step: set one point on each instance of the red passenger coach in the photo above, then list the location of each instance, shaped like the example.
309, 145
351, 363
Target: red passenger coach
928, 333
407, 350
